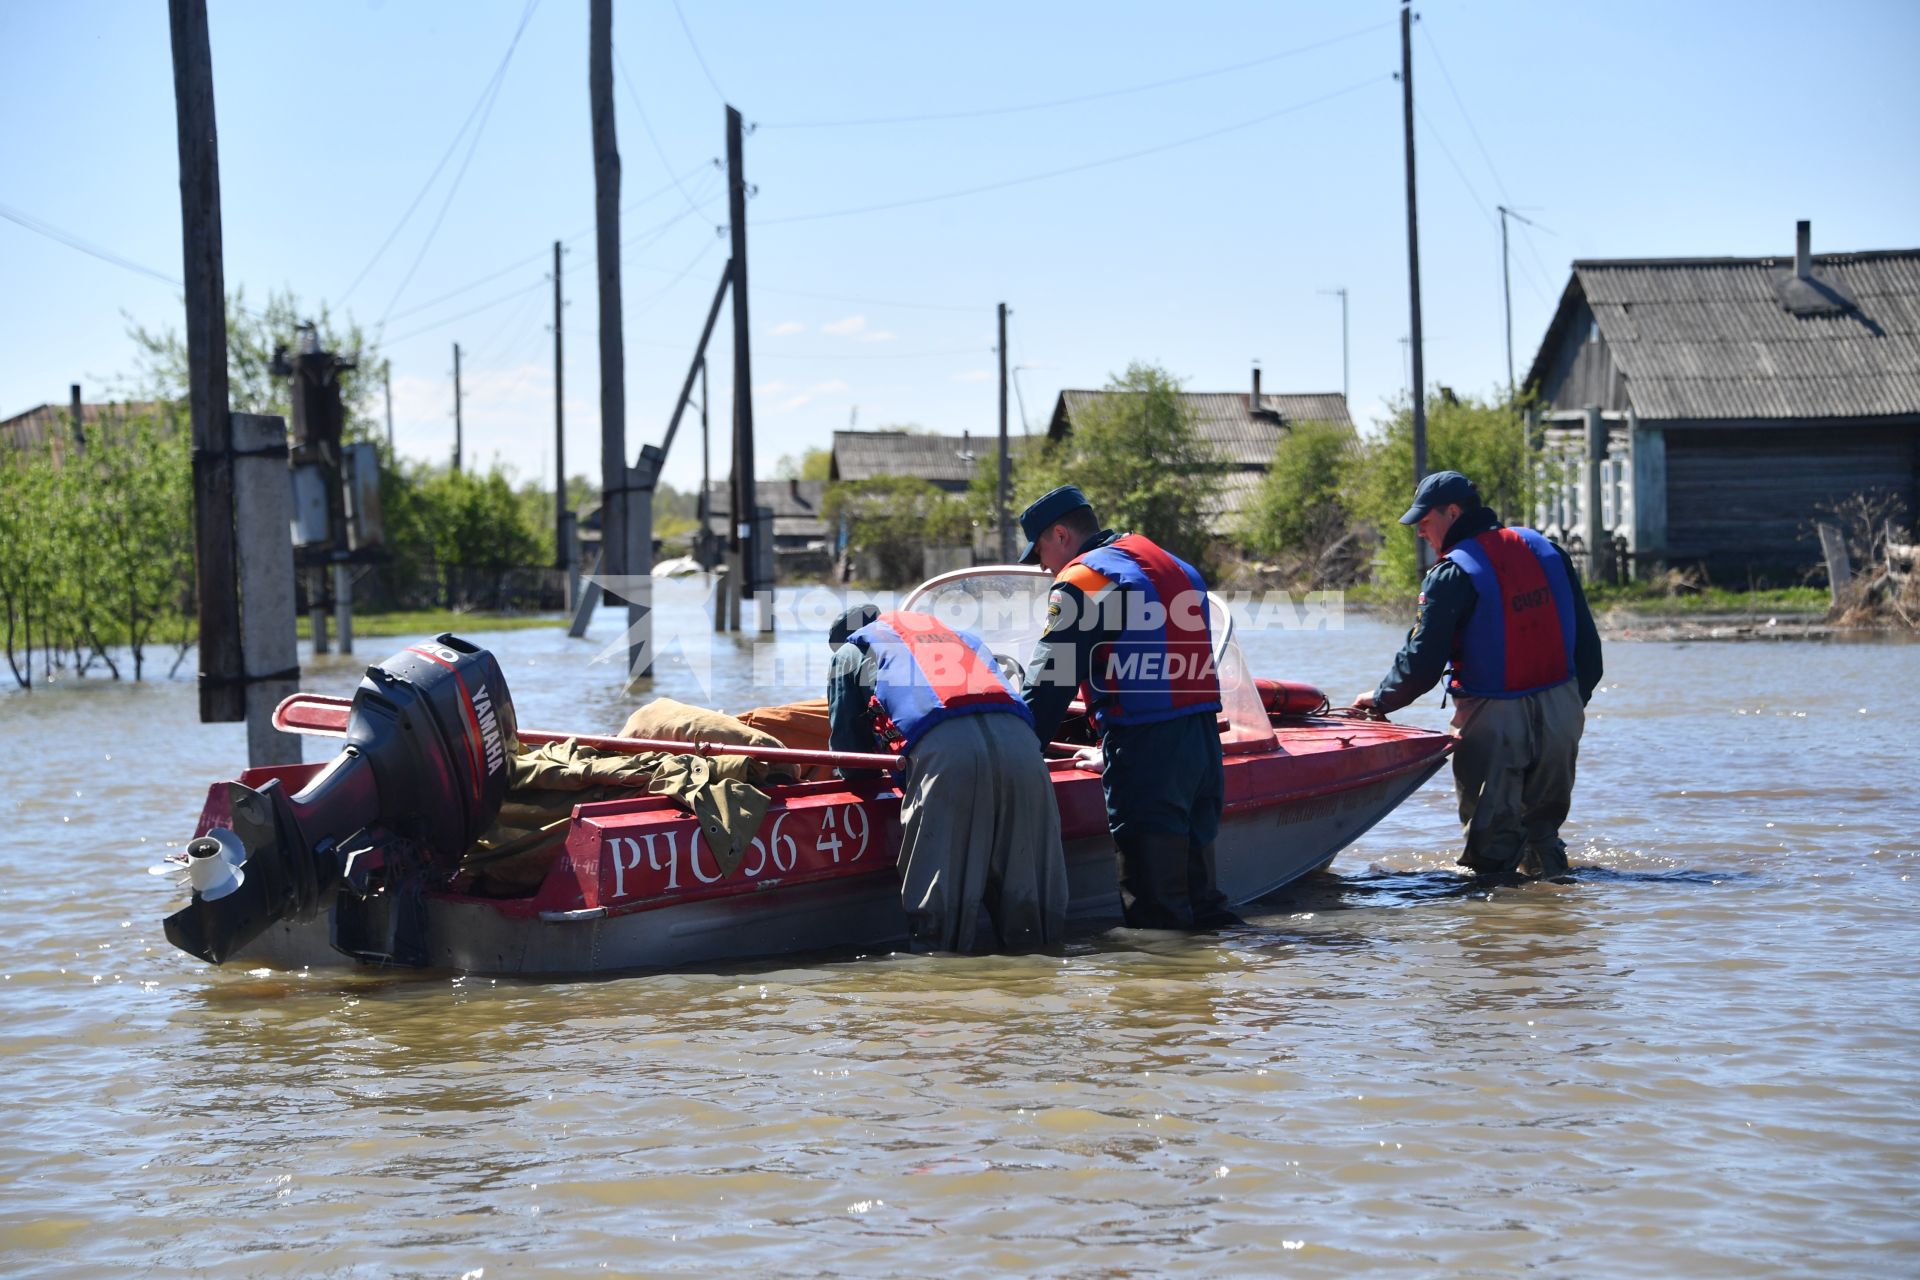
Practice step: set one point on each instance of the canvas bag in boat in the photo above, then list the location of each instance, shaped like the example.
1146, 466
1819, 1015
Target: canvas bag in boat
927, 673
1151, 672
1519, 637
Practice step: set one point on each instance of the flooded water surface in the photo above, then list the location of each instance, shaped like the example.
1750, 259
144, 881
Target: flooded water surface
1701, 1058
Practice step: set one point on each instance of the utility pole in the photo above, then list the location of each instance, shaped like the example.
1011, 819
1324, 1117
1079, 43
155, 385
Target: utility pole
562, 518
1005, 481
386, 376
1418, 375
746, 531
457, 428
79, 416
1341, 293
705, 507
626, 527
222, 678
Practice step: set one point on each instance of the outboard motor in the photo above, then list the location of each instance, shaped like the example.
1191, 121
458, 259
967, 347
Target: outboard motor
424, 770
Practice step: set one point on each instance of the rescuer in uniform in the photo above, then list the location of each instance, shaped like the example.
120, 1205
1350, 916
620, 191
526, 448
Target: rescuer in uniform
980, 860
1127, 628
1504, 605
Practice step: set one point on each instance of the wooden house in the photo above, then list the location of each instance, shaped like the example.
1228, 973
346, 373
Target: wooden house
1706, 410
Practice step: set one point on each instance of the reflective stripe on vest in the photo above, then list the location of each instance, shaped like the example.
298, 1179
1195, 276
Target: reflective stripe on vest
1519, 637
927, 673
1161, 667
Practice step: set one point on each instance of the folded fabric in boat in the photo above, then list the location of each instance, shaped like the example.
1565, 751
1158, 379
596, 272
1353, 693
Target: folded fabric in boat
797, 724
546, 782
682, 722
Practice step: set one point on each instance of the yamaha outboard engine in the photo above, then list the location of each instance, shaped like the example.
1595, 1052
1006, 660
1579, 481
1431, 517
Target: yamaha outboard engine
423, 773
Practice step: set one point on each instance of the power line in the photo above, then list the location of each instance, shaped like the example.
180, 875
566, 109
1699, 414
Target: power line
865, 355
541, 256
541, 283
454, 188
653, 299
72, 241
698, 57
647, 125
1465, 114
486, 95
1078, 168
866, 302
1079, 98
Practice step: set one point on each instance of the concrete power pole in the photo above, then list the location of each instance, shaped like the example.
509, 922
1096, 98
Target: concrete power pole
1004, 484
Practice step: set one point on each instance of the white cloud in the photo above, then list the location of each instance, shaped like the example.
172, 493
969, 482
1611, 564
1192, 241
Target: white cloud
877, 335
786, 327
807, 395
773, 388
845, 328
974, 375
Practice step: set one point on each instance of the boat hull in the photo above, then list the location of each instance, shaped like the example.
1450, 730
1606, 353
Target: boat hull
636, 890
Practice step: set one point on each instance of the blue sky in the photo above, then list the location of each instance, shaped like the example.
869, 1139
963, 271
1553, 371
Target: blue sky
1627, 128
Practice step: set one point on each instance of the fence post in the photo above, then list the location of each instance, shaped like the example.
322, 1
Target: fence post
1833, 544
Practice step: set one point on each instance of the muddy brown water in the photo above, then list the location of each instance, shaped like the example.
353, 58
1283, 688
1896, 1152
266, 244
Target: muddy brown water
1699, 1059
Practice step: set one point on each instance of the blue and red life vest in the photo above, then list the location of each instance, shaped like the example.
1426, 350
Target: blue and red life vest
1161, 666
1519, 637
927, 673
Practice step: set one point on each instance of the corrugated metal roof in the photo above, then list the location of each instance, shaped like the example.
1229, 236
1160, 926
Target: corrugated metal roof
1225, 420
947, 461
1705, 339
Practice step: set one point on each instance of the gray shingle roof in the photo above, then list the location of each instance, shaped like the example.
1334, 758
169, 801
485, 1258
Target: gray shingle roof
862, 455
1226, 422
1708, 338
795, 503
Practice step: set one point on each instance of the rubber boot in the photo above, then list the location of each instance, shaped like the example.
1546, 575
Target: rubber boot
1153, 880
1210, 909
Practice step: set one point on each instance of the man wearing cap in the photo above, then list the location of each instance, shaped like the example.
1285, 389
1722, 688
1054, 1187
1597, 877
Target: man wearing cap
1127, 628
981, 867
1505, 607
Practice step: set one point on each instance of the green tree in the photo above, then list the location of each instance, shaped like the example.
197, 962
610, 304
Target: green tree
1482, 439
1136, 455
893, 519
1298, 516
252, 337
812, 464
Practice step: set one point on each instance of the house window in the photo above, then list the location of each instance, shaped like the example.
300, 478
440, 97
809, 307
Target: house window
1593, 331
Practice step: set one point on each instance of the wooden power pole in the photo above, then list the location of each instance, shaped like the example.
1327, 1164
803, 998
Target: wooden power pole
562, 541
222, 679
457, 429
1004, 483
1415, 349
747, 532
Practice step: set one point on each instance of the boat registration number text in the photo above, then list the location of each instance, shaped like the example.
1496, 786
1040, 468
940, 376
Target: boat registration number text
793, 841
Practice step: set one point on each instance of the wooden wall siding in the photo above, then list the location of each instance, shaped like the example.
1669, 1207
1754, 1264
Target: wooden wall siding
1583, 371
1742, 501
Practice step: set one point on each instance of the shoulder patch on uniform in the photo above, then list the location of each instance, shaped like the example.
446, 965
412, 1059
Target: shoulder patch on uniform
1055, 599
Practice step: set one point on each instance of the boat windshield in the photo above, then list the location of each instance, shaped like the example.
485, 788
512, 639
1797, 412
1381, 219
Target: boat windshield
1006, 605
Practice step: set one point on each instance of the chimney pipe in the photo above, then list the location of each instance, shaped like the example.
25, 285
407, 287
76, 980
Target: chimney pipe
1253, 405
1803, 249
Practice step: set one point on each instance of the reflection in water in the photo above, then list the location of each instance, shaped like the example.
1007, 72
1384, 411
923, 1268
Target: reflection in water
1698, 1057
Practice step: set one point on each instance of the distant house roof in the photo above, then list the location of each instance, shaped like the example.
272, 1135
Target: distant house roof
1726, 338
795, 504
1239, 434
32, 429
947, 461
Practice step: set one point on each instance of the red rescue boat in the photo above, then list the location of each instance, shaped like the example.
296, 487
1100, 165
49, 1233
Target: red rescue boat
636, 886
